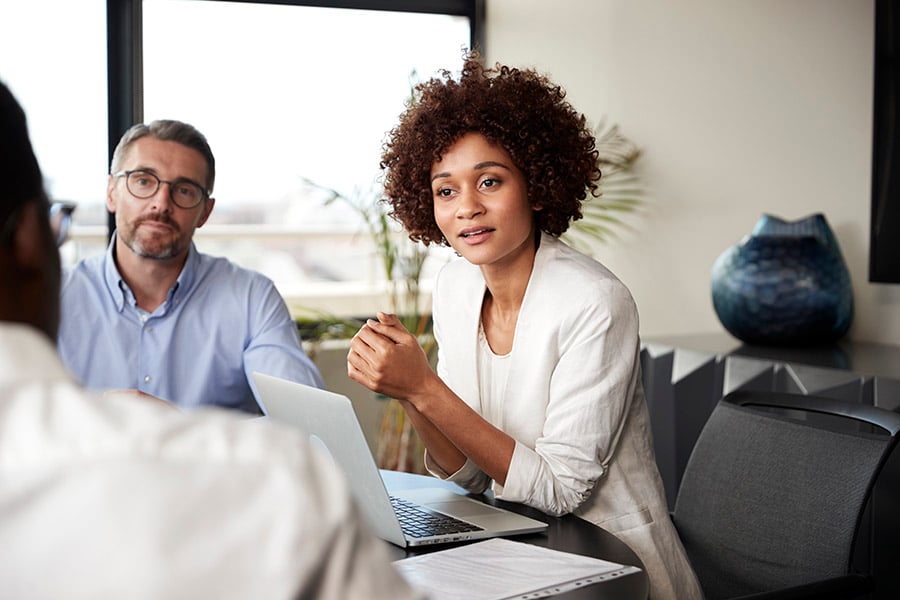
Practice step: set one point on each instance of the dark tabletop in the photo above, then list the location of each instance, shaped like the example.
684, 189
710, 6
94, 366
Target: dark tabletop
568, 533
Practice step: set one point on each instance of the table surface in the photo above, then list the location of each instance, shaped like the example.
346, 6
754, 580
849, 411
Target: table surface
568, 533
860, 357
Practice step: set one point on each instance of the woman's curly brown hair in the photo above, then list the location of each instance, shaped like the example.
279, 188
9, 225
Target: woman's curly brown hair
520, 110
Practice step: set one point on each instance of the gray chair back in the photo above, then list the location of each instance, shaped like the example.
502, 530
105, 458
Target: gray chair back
773, 499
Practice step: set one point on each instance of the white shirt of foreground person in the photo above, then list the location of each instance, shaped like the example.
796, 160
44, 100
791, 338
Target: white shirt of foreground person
125, 498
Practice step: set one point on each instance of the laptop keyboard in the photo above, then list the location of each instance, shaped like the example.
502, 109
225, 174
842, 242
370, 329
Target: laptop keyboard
418, 521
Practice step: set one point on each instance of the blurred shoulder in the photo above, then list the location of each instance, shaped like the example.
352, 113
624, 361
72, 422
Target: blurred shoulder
87, 270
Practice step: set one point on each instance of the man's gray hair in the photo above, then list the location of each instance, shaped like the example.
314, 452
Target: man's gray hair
170, 131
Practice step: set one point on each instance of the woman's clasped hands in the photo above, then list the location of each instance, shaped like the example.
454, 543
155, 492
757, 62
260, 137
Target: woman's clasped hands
388, 359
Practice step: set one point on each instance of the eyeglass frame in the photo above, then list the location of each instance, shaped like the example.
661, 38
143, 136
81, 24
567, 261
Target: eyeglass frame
126, 174
59, 216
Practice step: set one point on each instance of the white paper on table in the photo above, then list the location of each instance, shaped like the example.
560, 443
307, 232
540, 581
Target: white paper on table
501, 569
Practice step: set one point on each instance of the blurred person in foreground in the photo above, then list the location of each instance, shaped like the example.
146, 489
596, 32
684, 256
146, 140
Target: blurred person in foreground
538, 390
154, 315
106, 497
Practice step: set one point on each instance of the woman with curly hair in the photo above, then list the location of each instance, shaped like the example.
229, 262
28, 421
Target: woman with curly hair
538, 388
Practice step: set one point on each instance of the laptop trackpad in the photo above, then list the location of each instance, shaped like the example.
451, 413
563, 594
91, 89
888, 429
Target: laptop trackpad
461, 508
447, 502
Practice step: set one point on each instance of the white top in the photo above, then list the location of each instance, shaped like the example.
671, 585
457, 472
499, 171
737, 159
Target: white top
125, 498
493, 369
572, 400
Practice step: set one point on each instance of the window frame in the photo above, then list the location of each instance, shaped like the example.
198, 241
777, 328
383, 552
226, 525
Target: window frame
124, 26
125, 78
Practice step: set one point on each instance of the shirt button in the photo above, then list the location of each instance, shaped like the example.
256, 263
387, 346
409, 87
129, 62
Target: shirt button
147, 379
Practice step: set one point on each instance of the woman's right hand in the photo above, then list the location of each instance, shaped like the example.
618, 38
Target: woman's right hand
386, 358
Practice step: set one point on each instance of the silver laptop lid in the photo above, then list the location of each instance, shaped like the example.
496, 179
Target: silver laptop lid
332, 426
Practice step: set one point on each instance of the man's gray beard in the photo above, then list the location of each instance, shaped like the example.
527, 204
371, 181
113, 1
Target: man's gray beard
136, 247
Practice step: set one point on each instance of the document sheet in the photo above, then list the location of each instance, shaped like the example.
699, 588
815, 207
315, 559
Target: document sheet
501, 569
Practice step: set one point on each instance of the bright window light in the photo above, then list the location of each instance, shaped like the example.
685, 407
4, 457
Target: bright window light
63, 93
287, 95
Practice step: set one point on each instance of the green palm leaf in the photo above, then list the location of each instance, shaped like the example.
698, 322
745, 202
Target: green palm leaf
621, 192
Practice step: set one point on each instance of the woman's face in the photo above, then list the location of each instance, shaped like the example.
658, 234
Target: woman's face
481, 203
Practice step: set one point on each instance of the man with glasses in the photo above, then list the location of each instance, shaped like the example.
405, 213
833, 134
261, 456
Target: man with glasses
153, 315
105, 498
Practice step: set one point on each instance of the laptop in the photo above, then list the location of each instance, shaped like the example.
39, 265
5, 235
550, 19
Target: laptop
331, 424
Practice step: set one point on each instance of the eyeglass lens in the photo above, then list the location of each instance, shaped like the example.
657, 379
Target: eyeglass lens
185, 194
61, 220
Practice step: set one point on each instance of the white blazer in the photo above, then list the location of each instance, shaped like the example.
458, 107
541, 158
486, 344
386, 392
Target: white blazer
573, 401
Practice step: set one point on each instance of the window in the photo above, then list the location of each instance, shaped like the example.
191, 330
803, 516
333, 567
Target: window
63, 93
287, 92
291, 98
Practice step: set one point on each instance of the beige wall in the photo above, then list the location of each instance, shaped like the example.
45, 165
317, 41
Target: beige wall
741, 107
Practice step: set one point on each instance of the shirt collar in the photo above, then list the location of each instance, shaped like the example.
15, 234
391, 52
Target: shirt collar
188, 273
121, 293
115, 285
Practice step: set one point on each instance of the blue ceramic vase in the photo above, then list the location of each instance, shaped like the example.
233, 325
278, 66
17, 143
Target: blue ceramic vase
786, 284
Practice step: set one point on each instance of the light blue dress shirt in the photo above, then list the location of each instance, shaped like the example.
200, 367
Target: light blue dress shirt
218, 325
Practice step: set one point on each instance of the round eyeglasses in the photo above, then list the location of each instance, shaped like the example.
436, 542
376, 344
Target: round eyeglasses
59, 214
144, 184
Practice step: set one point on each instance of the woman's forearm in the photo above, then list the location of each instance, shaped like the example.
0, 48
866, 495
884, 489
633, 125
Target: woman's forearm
452, 431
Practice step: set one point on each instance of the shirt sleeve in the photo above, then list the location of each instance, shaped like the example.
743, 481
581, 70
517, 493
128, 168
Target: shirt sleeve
470, 477
228, 509
274, 346
351, 562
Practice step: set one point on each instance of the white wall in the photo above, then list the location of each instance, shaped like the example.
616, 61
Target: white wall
741, 107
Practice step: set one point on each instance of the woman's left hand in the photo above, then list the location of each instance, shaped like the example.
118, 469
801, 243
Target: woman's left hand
386, 358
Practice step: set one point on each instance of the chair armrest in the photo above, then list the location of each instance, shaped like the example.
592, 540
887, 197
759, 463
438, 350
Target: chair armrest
844, 587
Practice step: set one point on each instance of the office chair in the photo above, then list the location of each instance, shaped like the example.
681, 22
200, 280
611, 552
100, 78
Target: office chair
773, 494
